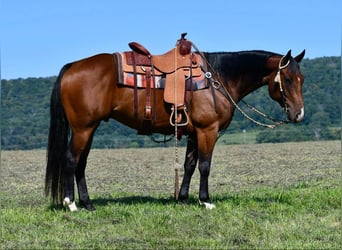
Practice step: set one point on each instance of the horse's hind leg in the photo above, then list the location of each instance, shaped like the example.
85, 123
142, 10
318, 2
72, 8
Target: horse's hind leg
68, 175
81, 181
76, 157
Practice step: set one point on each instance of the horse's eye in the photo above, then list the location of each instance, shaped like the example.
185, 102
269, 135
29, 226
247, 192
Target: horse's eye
288, 80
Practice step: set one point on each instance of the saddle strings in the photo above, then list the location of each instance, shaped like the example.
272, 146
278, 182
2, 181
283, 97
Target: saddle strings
176, 164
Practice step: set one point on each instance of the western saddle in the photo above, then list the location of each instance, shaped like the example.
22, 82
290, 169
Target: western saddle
177, 66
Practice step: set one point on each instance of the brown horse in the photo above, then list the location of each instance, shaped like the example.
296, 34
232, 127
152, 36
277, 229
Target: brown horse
87, 92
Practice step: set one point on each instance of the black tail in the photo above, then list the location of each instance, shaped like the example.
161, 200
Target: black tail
57, 144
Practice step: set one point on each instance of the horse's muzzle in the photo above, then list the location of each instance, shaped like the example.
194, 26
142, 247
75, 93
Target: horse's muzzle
299, 116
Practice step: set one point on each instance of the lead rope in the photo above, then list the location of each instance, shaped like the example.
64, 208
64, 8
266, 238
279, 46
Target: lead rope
176, 163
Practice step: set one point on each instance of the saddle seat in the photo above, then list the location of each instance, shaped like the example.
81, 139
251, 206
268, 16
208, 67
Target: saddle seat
166, 63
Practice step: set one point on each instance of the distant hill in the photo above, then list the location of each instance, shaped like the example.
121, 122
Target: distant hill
25, 112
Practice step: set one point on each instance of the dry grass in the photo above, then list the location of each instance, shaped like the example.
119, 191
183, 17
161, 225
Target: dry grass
150, 171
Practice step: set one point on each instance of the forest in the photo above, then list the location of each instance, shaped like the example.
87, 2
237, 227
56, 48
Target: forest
25, 113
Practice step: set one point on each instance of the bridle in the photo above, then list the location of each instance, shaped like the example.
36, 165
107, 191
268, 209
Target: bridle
277, 79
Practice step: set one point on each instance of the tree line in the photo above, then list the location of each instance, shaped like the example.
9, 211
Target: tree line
25, 112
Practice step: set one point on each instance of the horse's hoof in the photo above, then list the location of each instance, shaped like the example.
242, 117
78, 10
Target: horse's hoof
70, 205
207, 205
183, 201
89, 206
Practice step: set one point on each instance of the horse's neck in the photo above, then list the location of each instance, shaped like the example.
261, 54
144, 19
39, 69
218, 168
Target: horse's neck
247, 86
241, 72
241, 85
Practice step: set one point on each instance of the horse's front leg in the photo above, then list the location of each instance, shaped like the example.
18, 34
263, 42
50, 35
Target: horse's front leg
206, 143
190, 163
204, 168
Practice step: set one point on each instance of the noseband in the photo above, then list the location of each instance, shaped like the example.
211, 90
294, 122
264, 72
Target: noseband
277, 79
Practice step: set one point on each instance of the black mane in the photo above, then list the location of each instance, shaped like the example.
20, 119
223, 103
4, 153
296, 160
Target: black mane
231, 65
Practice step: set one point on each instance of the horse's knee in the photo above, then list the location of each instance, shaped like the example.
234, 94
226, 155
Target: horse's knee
204, 168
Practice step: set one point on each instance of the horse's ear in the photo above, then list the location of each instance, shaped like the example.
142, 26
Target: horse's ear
288, 54
286, 58
300, 56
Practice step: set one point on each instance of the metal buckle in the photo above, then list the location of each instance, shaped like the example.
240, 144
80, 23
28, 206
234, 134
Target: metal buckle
216, 84
208, 75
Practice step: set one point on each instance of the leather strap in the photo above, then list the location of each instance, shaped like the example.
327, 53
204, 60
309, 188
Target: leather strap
191, 83
211, 85
148, 107
135, 87
154, 93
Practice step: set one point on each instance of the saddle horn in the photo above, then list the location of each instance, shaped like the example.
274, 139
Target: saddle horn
184, 45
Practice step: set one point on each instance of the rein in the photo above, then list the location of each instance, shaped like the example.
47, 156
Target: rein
223, 90
263, 114
220, 87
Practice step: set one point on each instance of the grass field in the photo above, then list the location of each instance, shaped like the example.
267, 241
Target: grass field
267, 196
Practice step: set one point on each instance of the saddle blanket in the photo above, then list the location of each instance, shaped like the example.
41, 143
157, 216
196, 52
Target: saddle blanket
127, 78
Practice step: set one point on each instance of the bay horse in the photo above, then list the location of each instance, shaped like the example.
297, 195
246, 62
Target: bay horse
86, 92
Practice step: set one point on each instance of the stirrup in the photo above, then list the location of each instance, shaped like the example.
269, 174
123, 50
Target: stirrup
178, 120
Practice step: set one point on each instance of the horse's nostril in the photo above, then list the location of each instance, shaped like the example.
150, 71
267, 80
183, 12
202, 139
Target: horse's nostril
300, 115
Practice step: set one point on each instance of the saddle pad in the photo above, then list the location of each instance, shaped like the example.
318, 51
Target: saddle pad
126, 76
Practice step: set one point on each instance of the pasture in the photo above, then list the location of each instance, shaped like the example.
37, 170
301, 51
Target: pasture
267, 196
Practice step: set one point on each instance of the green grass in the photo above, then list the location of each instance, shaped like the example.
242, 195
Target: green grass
294, 218
299, 207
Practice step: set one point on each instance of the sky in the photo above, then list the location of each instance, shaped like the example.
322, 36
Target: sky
39, 36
